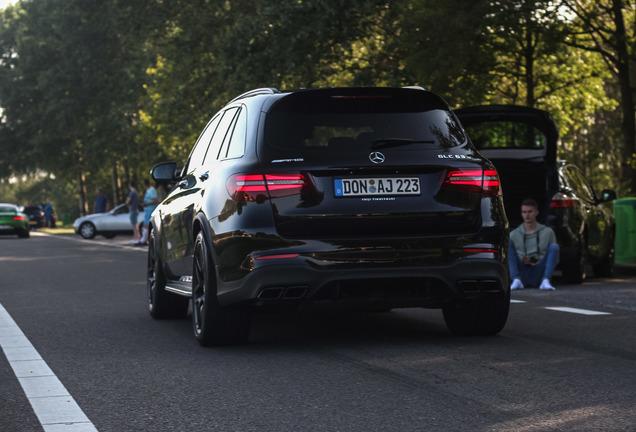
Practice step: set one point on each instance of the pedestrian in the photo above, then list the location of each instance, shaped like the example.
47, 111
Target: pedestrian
133, 210
101, 202
534, 252
151, 200
48, 213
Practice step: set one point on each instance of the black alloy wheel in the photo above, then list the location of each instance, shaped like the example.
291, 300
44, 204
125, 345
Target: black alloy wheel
485, 316
605, 267
212, 323
574, 271
161, 303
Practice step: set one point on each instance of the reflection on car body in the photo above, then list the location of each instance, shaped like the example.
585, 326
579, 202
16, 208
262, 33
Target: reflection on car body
330, 195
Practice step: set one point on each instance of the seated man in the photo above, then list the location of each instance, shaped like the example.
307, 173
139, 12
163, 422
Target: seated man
534, 252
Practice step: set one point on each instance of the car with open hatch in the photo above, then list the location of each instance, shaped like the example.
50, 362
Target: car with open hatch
522, 144
372, 198
13, 221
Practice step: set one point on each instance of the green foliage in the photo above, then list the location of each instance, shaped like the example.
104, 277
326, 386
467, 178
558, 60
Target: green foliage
96, 90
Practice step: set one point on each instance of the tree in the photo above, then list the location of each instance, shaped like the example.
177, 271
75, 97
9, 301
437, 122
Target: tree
71, 76
600, 26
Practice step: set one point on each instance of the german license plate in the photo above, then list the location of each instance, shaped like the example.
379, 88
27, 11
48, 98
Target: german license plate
377, 186
5, 227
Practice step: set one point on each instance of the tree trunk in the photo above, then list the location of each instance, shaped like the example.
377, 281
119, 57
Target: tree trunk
116, 185
627, 101
529, 59
81, 193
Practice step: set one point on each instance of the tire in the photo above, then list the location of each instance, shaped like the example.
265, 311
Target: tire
24, 233
87, 230
212, 323
574, 271
485, 316
605, 268
161, 303
109, 235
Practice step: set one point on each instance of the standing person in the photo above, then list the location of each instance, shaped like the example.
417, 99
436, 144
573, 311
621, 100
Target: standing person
48, 213
534, 252
101, 202
151, 200
133, 205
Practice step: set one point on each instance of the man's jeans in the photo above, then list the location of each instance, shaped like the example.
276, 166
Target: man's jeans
531, 276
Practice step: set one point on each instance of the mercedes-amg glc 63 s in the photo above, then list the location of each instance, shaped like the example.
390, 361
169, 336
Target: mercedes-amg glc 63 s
366, 197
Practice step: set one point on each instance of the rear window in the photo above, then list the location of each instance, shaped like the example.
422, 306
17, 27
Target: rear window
8, 209
506, 135
339, 121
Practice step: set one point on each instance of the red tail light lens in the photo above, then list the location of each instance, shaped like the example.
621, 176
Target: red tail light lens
474, 181
561, 200
19, 218
259, 187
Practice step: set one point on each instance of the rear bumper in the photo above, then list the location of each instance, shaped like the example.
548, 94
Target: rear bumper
299, 281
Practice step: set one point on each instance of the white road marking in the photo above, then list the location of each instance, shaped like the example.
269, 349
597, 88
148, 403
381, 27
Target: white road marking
55, 408
578, 311
94, 242
516, 301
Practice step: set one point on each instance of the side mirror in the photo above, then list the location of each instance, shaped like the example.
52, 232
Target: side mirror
163, 172
608, 195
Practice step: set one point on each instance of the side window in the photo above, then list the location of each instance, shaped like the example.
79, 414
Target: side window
201, 147
587, 187
235, 147
222, 131
580, 185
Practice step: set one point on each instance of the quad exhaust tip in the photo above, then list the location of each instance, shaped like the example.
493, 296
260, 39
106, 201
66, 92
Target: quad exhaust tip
283, 293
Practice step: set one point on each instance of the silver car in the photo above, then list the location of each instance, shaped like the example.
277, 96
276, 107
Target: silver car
116, 221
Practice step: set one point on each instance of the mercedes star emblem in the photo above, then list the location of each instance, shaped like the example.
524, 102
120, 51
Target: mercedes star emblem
376, 157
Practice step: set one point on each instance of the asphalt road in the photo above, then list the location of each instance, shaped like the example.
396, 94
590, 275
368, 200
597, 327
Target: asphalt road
81, 305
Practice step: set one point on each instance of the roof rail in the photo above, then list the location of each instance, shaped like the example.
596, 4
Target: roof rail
256, 92
415, 87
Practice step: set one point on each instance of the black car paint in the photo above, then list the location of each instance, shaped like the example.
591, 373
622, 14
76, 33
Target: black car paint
412, 251
585, 229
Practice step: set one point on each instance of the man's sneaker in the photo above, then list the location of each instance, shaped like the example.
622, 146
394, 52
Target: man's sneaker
517, 284
545, 285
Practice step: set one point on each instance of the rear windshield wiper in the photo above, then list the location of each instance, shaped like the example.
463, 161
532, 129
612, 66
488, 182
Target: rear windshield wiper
394, 142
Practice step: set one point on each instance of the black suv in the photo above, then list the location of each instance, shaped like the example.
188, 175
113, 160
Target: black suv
522, 143
365, 197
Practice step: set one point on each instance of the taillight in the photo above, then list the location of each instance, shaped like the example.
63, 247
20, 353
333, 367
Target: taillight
561, 200
259, 187
473, 181
19, 218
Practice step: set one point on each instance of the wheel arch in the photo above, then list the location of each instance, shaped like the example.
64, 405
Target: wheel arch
201, 224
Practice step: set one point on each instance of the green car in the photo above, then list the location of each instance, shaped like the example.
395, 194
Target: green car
12, 221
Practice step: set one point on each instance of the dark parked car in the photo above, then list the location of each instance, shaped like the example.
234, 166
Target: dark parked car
13, 221
36, 216
522, 143
370, 197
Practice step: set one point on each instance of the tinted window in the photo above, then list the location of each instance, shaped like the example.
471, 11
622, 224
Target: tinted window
506, 134
201, 147
580, 185
221, 134
8, 209
337, 122
234, 147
